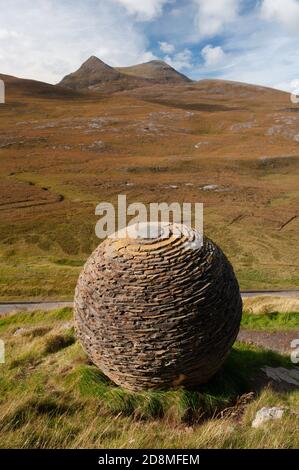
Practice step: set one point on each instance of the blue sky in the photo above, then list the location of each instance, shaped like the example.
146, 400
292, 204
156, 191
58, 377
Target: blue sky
254, 41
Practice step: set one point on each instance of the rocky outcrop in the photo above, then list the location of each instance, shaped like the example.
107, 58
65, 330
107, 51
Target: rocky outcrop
157, 313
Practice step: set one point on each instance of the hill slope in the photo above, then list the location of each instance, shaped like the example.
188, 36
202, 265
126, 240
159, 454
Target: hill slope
95, 75
233, 147
22, 87
156, 70
91, 72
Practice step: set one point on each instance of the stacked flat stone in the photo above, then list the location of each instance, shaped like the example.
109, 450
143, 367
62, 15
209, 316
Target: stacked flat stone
157, 313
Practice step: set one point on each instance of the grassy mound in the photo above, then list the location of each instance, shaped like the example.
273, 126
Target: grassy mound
51, 396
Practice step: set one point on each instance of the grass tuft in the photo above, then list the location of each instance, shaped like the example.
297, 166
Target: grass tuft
57, 342
181, 404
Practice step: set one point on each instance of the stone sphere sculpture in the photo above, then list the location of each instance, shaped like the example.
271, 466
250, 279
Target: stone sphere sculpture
154, 313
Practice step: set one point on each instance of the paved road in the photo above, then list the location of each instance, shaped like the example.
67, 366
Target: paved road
30, 306
6, 307
275, 293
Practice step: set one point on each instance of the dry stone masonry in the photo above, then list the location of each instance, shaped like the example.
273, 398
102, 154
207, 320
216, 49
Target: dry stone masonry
153, 313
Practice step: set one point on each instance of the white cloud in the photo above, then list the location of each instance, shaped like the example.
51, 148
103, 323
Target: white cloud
290, 86
257, 51
266, 58
213, 56
284, 12
166, 47
143, 9
5, 33
45, 40
214, 15
181, 60
294, 85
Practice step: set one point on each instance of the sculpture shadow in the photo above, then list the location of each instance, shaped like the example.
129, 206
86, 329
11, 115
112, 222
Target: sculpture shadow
239, 376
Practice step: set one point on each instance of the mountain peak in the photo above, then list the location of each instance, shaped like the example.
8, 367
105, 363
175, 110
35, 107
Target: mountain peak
156, 61
93, 60
93, 57
96, 73
92, 71
157, 70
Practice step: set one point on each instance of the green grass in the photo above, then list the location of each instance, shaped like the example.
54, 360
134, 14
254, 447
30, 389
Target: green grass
38, 317
273, 321
42, 262
52, 396
222, 391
